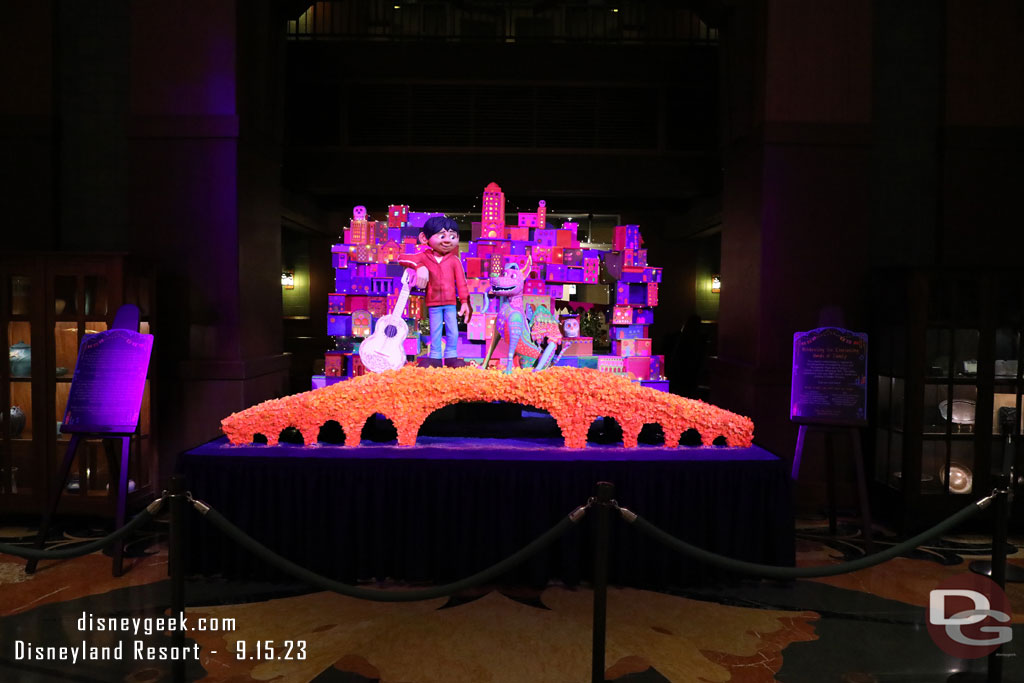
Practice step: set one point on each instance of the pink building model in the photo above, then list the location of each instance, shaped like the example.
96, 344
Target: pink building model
492, 216
534, 220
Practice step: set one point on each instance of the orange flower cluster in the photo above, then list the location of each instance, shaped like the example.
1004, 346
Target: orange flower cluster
575, 397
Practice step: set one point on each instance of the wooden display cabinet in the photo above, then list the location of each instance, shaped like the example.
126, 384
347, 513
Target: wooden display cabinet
49, 302
945, 357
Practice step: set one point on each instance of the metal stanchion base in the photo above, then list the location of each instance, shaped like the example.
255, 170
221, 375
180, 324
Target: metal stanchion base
1014, 574
968, 677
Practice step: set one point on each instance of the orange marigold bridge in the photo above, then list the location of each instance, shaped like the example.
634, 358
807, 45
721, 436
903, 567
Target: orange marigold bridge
574, 397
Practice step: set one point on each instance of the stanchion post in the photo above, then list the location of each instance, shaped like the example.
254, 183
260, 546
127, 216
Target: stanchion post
1001, 511
176, 566
604, 493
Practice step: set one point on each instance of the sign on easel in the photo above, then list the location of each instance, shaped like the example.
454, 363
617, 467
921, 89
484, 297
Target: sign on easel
110, 377
829, 377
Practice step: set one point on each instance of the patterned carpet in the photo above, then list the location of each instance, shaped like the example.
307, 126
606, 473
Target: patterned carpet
835, 629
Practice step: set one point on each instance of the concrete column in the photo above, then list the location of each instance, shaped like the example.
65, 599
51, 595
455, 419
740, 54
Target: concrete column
204, 139
797, 103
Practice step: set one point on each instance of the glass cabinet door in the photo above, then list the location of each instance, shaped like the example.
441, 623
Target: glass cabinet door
48, 303
19, 467
949, 392
81, 306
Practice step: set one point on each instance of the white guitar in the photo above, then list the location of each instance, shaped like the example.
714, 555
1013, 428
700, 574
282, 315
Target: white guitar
384, 350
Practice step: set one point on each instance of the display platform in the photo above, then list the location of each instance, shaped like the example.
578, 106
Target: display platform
451, 506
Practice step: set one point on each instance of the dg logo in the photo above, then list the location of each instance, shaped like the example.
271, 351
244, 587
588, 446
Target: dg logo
964, 616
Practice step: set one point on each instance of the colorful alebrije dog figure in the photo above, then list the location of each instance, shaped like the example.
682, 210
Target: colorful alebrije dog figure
512, 322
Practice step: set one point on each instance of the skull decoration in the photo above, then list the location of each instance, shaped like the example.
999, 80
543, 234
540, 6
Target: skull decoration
571, 326
359, 213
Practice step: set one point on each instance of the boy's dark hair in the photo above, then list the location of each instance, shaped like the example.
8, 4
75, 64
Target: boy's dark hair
436, 224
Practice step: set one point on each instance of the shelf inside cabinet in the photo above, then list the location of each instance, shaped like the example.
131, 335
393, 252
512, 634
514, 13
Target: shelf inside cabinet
957, 333
962, 378
56, 299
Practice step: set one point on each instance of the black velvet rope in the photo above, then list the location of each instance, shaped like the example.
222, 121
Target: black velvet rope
90, 547
318, 581
378, 595
787, 573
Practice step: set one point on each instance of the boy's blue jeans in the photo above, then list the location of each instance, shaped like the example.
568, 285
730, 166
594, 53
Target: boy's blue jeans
443, 316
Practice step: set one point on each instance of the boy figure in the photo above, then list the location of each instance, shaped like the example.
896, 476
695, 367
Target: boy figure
439, 269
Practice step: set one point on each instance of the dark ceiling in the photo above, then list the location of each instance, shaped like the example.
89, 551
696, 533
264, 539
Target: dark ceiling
626, 111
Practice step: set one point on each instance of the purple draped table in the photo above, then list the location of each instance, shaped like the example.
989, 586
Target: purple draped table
449, 507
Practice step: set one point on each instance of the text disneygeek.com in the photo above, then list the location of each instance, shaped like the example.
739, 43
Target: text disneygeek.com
113, 649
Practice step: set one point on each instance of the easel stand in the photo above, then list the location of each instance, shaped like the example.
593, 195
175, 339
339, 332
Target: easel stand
830, 432
62, 480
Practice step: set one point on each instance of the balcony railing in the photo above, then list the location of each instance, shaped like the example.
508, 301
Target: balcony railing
631, 22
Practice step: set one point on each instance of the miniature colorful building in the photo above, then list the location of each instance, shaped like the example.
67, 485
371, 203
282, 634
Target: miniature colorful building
492, 215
